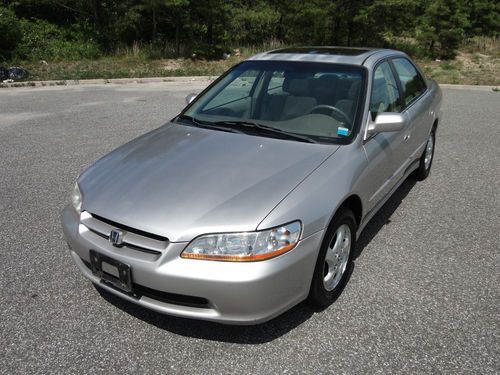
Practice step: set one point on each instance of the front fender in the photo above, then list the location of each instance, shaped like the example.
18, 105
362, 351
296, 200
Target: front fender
318, 197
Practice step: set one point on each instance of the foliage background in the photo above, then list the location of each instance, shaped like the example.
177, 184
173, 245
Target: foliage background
72, 29
76, 33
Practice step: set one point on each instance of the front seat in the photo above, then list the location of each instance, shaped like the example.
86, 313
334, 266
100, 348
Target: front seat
325, 89
299, 102
348, 105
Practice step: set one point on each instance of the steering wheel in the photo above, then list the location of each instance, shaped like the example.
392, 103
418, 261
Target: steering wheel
336, 113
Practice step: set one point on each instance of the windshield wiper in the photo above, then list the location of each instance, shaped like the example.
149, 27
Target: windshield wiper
202, 124
266, 128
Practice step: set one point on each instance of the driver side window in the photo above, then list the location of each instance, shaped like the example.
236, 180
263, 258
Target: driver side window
385, 94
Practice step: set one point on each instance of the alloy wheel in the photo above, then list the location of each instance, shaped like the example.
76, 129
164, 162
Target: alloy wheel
337, 257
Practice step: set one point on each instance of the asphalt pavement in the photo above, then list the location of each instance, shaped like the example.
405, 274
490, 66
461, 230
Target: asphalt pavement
424, 295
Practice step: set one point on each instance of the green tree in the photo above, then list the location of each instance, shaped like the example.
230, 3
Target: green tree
178, 17
442, 27
208, 28
381, 20
304, 22
484, 17
253, 22
10, 31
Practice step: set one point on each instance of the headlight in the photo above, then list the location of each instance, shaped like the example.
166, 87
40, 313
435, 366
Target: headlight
246, 246
76, 199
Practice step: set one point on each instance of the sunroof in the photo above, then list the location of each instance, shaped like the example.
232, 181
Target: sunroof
324, 50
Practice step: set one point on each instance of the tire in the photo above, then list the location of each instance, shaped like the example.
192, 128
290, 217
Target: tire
424, 167
327, 285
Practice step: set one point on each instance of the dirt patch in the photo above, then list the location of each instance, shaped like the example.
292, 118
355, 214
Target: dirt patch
171, 64
467, 69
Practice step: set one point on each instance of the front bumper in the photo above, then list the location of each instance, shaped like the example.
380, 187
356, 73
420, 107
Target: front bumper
234, 293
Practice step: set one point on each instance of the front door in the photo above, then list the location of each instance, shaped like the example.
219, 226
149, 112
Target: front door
386, 152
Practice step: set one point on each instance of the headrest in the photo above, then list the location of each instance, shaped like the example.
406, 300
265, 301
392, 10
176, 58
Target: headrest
325, 84
297, 86
326, 81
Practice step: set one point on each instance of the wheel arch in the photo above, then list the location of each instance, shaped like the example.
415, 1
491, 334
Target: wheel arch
435, 125
354, 203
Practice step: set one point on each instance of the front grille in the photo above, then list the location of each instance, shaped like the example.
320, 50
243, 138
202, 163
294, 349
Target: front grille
133, 239
171, 298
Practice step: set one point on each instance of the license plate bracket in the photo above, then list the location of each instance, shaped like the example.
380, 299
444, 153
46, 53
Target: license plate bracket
121, 279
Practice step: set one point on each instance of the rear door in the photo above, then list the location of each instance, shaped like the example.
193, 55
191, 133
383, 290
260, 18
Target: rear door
417, 106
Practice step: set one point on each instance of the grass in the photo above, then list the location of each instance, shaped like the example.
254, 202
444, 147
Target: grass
124, 67
477, 63
466, 69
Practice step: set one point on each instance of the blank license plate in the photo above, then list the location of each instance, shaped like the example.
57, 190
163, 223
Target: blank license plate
111, 271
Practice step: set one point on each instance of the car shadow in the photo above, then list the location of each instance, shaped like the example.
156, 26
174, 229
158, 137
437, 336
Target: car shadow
264, 332
383, 216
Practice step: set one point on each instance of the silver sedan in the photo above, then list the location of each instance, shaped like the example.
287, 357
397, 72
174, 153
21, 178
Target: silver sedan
252, 198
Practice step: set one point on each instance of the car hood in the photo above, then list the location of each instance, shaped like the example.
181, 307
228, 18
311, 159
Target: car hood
180, 181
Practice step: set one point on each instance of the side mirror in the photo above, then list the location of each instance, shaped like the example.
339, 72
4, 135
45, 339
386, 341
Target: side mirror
387, 122
190, 98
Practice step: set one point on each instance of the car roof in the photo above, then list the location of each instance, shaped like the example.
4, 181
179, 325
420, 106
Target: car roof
340, 55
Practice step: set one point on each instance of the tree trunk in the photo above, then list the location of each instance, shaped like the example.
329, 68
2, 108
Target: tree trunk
349, 33
177, 40
95, 15
154, 22
210, 32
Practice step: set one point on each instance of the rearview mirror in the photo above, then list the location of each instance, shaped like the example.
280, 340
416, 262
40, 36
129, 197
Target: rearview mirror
386, 122
190, 98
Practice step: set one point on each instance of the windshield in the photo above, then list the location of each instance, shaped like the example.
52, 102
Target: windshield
304, 101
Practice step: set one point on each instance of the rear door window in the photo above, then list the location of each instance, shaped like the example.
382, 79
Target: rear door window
412, 82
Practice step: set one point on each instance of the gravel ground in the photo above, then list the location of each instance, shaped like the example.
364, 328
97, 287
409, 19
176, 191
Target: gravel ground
424, 295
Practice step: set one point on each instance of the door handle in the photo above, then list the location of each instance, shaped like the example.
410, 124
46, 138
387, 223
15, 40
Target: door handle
406, 137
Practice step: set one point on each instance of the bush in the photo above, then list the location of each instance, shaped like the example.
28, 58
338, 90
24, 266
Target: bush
449, 41
42, 40
10, 31
406, 44
482, 44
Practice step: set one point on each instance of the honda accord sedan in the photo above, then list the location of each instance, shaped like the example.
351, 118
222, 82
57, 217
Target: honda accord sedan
252, 198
